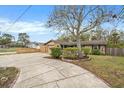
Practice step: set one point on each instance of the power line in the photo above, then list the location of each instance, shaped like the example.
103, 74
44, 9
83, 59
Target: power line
19, 16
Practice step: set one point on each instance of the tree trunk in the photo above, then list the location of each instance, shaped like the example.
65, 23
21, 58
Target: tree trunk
79, 44
80, 53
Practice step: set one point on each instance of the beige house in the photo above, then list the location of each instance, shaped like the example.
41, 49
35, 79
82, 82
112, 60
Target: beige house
95, 44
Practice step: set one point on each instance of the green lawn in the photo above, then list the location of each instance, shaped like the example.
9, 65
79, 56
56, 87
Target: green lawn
108, 68
7, 76
7, 49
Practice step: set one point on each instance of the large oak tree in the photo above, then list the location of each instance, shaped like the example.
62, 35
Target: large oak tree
76, 20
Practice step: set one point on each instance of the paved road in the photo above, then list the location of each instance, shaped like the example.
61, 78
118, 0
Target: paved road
39, 72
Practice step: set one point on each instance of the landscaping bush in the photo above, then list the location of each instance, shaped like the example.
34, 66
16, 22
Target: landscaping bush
96, 52
70, 53
56, 52
86, 50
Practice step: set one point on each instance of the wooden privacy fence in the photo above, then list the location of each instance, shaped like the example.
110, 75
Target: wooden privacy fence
44, 49
27, 50
115, 51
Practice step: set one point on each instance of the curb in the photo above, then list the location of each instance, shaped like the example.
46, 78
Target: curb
13, 83
70, 60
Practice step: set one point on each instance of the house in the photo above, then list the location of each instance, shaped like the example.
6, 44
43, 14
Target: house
39, 45
95, 44
34, 45
4, 46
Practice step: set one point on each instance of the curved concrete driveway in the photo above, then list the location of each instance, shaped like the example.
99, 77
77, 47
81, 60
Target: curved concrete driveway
38, 71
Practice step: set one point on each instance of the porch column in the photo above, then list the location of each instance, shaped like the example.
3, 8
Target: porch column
63, 46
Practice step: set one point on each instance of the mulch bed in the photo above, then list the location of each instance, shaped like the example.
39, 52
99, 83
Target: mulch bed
50, 57
69, 60
75, 60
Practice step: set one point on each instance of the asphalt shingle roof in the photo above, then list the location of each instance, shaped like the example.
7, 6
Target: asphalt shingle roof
93, 42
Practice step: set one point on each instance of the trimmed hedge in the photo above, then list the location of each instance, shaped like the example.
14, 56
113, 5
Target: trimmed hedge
96, 52
86, 50
70, 53
56, 52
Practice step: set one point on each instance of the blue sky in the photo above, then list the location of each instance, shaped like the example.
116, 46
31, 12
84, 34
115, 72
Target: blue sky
32, 22
34, 18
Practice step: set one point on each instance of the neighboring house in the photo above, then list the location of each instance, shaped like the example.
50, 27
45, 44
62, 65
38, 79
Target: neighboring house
39, 45
34, 45
95, 44
4, 46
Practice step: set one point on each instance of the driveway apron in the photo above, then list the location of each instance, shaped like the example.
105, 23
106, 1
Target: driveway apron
37, 71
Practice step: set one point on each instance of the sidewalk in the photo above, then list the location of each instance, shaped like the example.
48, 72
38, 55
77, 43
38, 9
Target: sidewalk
7, 53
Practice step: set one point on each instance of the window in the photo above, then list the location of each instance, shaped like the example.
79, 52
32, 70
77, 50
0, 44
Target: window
57, 45
95, 47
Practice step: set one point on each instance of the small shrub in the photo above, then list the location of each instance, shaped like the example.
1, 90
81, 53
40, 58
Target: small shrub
86, 51
56, 52
70, 53
96, 52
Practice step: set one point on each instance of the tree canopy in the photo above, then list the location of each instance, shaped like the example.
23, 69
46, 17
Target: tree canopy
76, 20
23, 39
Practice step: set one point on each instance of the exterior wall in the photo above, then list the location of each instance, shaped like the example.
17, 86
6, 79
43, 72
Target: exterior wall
52, 45
47, 48
103, 49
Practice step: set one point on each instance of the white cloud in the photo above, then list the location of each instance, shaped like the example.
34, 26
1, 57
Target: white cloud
23, 26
